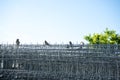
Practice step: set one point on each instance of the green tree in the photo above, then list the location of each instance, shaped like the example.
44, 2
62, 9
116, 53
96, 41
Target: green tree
107, 37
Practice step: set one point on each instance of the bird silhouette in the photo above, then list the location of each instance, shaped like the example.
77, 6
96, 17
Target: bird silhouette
46, 43
17, 42
70, 43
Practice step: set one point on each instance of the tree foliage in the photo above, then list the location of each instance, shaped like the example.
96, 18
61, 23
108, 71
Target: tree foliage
107, 37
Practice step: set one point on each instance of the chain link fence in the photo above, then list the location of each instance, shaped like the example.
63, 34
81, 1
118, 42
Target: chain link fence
59, 62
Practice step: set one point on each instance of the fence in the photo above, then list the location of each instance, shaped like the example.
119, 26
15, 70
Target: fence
60, 62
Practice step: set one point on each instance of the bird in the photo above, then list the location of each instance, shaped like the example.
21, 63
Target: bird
70, 43
46, 43
17, 42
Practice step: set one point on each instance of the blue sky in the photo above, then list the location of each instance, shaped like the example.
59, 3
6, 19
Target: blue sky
57, 21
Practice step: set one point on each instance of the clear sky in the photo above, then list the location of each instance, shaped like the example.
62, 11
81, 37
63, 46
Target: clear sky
57, 21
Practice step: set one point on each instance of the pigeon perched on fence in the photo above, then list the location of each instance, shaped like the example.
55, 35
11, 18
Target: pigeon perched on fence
70, 43
46, 43
17, 42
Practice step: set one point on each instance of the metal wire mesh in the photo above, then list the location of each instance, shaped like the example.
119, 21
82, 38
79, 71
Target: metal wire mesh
60, 62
